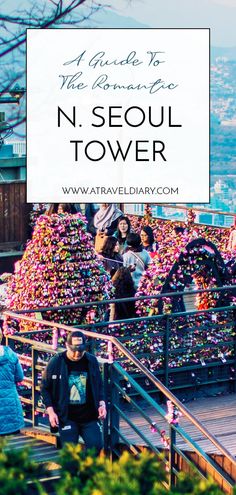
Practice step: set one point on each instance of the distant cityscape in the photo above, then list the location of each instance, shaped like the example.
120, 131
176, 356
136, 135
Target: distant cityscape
223, 147
223, 136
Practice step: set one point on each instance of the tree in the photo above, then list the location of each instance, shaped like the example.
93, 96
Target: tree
37, 15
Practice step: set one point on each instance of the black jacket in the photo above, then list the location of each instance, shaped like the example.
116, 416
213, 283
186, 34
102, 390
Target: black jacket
55, 386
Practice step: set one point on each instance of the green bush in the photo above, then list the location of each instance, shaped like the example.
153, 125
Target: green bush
16, 468
192, 485
83, 473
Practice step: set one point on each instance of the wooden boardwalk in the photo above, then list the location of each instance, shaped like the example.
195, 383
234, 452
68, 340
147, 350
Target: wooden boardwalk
217, 414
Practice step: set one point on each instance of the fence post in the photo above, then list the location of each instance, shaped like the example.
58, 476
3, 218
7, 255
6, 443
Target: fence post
114, 415
106, 374
110, 352
147, 213
234, 367
166, 352
172, 455
55, 338
35, 393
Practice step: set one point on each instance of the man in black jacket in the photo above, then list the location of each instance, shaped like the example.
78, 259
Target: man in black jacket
72, 392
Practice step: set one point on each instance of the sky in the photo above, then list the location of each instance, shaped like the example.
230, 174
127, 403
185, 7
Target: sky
219, 15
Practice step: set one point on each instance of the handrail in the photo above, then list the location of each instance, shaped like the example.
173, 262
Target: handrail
142, 368
188, 208
180, 431
126, 299
202, 210
117, 322
173, 399
154, 317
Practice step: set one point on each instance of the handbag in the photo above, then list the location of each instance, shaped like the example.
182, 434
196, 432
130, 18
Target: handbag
100, 240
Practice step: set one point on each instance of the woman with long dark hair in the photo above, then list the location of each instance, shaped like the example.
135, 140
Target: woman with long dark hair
110, 256
147, 239
123, 229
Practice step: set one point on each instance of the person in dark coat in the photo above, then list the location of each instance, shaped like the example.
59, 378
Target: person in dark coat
88, 210
72, 392
110, 256
11, 412
124, 287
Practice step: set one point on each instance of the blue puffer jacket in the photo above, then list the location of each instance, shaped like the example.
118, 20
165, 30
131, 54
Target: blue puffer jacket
11, 414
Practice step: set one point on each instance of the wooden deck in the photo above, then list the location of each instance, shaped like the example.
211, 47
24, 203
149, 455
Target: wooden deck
217, 414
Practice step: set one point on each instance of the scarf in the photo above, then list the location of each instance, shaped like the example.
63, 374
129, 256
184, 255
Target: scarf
105, 216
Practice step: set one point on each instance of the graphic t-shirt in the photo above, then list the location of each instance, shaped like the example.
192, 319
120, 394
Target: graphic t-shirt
81, 406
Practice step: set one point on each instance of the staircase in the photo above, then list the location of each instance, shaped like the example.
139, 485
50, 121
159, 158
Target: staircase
43, 450
133, 413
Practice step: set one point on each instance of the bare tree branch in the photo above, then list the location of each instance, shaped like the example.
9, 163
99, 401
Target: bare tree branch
42, 15
59, 14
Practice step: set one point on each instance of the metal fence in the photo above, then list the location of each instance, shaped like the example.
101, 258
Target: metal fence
179, 213
192, 352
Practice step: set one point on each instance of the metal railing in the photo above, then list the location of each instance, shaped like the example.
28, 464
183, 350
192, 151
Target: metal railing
113, 431
105, 302
179, 213
183, 348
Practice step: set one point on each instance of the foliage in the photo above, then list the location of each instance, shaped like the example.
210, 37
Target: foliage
16, 468
88, 475
193, 486
83, 473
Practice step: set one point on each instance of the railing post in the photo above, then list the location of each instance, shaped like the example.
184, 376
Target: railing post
55, 338
234, 368
110, 352
10, 342
106, 374
35, 393
114, 415
172, 455
166, 352
147, 213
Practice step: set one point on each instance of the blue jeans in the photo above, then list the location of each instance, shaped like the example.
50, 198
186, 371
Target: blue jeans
91, 434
